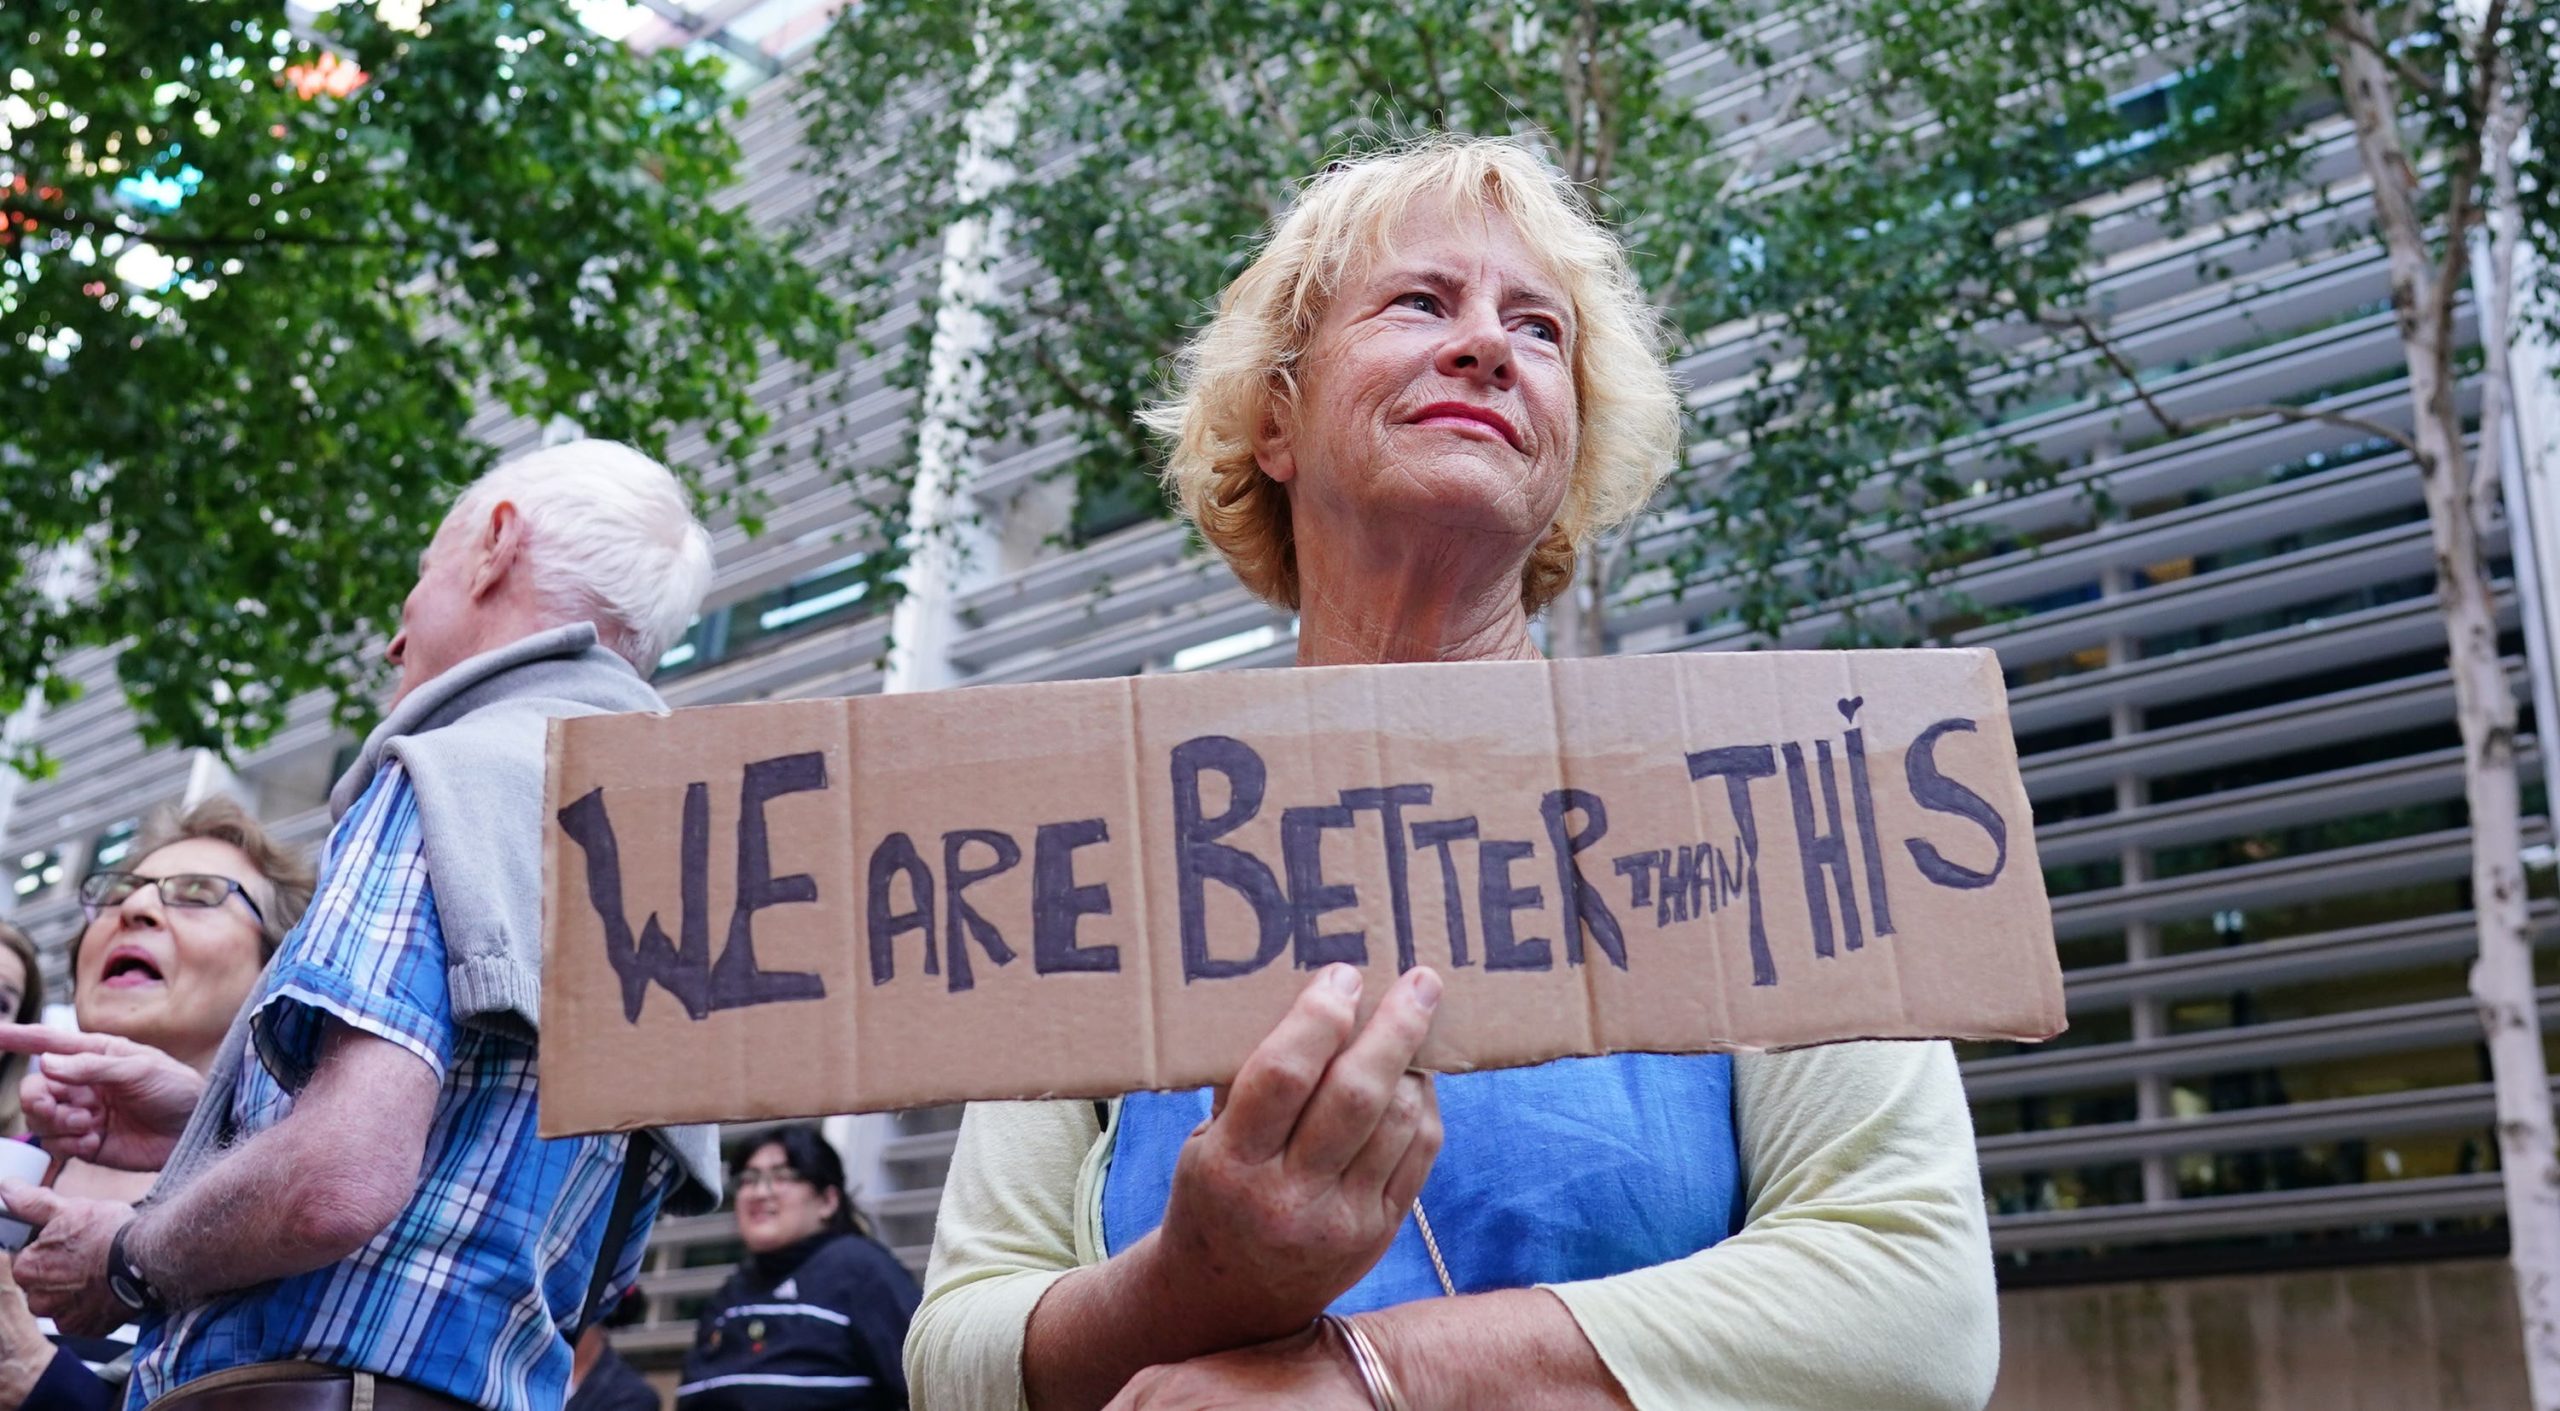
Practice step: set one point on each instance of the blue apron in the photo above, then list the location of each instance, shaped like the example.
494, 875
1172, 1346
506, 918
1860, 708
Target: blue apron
1576, 1169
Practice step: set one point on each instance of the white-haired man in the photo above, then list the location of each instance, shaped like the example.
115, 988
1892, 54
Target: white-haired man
355, 1209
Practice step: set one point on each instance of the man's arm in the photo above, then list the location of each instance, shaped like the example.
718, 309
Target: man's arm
308, 1191
301, 1195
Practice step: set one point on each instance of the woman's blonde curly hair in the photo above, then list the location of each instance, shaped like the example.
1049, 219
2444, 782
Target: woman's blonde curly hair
1241, 373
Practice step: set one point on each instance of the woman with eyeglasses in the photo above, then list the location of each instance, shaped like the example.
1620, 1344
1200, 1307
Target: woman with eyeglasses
816, 1315
175, 938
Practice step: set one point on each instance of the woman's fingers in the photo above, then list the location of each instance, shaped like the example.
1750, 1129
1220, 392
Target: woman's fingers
56, 1110
39, 1038
99, 1070
1404, 1185
1269, 1093
1411, 1113
1358, 1089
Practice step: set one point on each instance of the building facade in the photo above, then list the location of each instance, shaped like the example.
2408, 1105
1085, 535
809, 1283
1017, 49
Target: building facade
2230, 699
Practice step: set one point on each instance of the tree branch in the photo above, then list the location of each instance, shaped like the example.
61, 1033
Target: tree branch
2410, 73
2422, 302
1571, 73
1605, 124
1780, 116
2462, 200
2176, 425
2497, 296
1431, 72
1500, 38
1271, 103
69, 218
273, 237
1084, 401
2487, 58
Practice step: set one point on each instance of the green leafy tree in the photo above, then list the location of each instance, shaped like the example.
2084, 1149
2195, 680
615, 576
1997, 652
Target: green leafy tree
257, 278
1150, 141
2453, 114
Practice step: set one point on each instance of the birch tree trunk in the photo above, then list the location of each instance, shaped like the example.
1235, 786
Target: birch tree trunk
2422, 295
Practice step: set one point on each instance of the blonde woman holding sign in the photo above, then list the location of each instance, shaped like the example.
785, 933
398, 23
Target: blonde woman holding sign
1435, 385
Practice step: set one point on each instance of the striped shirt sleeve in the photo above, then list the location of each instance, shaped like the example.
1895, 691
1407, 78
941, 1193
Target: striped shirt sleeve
369, 953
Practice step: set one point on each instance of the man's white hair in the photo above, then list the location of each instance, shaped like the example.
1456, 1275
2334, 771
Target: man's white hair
612, 540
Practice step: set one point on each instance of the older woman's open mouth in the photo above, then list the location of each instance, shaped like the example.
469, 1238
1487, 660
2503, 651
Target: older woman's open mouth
1461, 415
127, 966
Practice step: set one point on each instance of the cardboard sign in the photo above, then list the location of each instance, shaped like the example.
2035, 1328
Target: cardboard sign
1086, 888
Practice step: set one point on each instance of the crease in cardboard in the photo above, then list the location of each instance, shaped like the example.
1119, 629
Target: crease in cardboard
1571, 925
1374, 765
1718, 942
1853, 686
843, 1036
1136, 736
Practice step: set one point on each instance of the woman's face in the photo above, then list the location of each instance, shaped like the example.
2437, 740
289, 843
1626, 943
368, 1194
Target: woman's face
173, 976
1437, 394
777, 1206
14, 981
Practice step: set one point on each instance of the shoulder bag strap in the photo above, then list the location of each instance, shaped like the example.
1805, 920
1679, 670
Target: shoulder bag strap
617, 1229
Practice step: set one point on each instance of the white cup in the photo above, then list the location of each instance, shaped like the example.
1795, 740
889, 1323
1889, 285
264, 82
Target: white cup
25, 1162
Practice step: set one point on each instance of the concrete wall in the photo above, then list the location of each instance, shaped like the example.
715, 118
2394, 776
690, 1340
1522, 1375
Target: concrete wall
2399, 1337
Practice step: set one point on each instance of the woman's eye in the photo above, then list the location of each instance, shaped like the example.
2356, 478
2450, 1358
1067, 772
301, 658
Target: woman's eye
1420, 302
1544, 328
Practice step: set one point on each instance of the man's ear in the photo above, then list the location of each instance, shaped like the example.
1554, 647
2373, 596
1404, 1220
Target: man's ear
1273, 442
501, 550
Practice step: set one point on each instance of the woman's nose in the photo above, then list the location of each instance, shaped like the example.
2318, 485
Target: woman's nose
1477, 349
142, 911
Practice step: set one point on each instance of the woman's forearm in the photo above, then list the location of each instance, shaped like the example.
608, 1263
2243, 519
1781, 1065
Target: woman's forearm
1518, 1347
1102, 1324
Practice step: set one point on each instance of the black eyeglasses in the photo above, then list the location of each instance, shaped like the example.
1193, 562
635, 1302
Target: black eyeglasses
753, 1178
101, 890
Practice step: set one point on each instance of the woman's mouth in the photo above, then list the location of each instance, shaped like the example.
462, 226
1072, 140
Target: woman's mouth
1466, 416
127, 969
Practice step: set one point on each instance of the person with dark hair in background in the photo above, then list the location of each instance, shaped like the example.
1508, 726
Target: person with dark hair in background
22, 1001
599, 1380
817, 1313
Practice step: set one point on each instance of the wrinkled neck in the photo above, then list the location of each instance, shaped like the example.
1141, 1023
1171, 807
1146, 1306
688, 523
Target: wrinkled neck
1422, 596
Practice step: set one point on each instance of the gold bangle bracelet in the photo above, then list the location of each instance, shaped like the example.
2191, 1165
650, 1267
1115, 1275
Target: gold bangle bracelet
1372, 1369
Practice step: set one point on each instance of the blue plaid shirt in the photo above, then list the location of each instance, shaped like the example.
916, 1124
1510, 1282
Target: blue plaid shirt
470, 1289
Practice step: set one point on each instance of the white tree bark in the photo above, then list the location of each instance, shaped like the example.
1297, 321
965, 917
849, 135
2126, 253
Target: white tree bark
1578, 620
947, 544
2422, 292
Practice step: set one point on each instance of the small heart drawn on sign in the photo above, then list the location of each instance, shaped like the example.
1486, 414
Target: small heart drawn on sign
1849, 706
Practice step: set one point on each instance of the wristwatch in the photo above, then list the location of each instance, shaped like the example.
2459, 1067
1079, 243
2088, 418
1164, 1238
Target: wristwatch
125, 1279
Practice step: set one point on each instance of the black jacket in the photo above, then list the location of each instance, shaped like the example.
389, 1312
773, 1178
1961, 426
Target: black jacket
818, 1326
613, 1385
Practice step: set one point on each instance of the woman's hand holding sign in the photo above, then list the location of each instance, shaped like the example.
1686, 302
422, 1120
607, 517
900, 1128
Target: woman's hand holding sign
104, 1099
1297, 1186
1281, 1201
